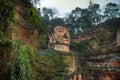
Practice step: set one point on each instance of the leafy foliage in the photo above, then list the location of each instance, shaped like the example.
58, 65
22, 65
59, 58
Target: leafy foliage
80, 20
34, 16
95, 13
21, 66
49, 13
6, 13
111, 11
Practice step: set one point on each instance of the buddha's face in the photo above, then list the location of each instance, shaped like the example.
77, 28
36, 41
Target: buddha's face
61, 35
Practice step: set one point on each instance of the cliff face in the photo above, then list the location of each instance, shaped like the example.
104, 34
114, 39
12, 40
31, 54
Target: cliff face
15, 25
25, 30
118, 37
91, 33
98, 50
20, 27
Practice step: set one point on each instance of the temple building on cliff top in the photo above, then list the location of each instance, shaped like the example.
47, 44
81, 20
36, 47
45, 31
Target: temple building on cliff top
59, 38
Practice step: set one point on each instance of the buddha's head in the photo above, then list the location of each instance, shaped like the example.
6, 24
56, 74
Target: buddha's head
61, 35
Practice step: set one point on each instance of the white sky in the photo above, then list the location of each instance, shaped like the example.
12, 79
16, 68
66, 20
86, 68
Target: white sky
65, 6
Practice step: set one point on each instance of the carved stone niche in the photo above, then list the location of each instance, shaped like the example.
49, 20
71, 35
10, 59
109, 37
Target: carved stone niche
59, 39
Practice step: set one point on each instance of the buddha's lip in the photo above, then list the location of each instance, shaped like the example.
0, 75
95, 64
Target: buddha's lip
65, 40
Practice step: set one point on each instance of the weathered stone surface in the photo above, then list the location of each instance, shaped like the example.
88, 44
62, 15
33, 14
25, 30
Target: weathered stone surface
118, 37
89, 34
59, 39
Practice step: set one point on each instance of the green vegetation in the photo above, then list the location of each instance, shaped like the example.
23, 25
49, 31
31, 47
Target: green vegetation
21, 65
19, 61
51, 65
43, 41
34, 16
7, 13
26, 65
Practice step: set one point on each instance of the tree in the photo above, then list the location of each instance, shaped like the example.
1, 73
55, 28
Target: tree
79, 20
69, 21
85, 19
95, 13
49, 12
77, 14
111, 11
46, 16
35, 2
72, 20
